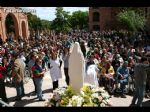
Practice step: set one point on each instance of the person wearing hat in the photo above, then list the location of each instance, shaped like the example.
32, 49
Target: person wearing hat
122, 75
18, 69
140, 81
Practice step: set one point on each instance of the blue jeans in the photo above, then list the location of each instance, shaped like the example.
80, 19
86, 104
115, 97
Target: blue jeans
123, 83
139, 94
19, 89
38, 84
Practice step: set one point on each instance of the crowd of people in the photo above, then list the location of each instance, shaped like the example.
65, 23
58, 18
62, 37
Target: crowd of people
115, 54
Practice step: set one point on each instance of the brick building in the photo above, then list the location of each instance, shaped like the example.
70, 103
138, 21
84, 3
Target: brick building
104, 18
20, 22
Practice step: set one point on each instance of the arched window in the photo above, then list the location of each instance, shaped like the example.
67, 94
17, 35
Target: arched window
95, 17
96, 27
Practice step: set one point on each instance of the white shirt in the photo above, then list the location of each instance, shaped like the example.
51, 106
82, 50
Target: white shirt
91, 75
55, 70
1, 59
23, 58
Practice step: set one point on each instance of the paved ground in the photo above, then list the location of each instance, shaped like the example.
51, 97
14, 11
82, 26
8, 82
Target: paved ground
31, 101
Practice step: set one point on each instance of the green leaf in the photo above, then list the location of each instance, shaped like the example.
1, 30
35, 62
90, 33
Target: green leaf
132, 19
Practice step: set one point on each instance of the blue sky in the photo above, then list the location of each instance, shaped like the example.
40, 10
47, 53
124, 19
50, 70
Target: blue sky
48, 13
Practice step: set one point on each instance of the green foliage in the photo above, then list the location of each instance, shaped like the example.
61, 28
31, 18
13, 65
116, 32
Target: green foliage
66, 96
66, 22
133, 20
87, 90
46, 25
60, 23
79, 20
64, 101
36, 24
69, 92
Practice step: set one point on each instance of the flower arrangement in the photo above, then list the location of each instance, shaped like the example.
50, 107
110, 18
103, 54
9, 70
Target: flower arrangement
89, 96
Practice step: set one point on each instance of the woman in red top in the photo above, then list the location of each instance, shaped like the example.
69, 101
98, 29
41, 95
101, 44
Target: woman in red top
38, 74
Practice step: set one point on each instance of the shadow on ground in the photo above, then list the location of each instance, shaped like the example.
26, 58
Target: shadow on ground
146, 103
24, 102
11, 99
47, 91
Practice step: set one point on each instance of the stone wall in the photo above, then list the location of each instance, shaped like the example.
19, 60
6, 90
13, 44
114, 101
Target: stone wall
20, 21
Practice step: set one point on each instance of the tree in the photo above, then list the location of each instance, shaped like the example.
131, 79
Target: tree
46, 25
132, 20
35, 23
66, 22
60, 23
79, 20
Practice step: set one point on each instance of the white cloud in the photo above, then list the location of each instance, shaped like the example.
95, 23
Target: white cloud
48, 13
